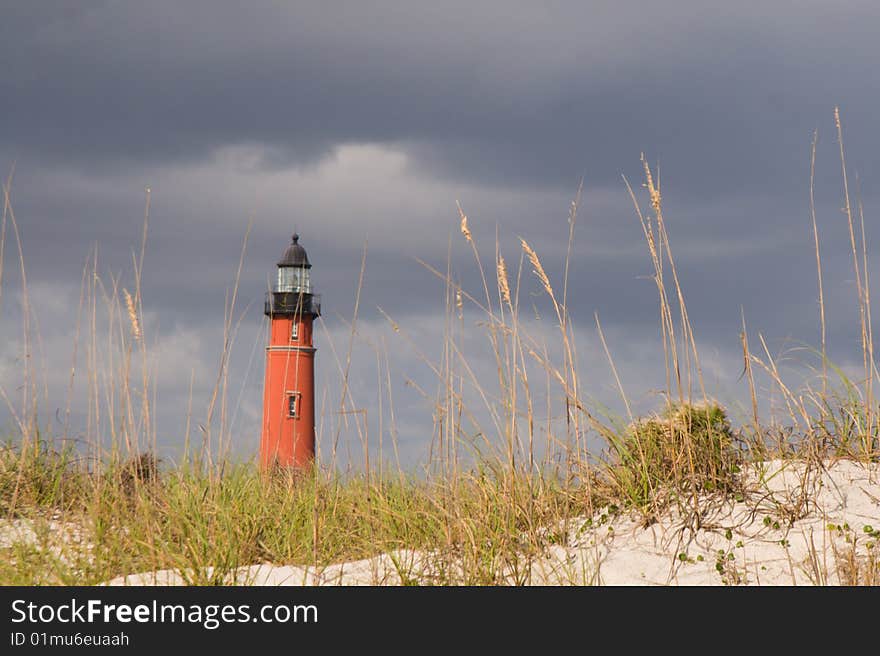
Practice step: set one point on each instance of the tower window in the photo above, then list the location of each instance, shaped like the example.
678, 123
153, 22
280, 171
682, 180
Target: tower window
293, 404
294, 331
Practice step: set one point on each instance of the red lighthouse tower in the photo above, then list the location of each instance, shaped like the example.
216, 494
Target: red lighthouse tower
288, 436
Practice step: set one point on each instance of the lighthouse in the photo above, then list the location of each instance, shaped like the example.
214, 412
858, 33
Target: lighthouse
288, 434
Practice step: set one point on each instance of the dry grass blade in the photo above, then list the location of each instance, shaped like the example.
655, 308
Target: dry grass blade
818, 265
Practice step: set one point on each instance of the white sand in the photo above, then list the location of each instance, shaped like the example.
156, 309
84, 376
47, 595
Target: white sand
58, 537
797, 526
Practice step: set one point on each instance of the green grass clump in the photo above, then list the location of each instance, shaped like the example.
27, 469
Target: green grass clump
687, 449
38, 476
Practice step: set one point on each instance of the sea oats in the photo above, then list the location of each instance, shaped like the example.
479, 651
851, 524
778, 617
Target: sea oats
132, 315
464, 224
536, 263
502, 281
652, 190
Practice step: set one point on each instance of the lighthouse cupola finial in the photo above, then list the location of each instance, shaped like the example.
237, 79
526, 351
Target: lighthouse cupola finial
295, 255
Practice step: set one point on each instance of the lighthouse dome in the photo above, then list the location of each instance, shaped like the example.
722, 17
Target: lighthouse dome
295, 255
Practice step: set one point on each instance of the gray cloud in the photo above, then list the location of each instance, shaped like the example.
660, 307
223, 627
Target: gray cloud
509, 93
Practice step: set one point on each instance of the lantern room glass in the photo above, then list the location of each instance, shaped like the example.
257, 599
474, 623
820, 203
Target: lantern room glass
294, 279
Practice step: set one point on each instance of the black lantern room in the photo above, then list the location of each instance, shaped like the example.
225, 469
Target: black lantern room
292, 293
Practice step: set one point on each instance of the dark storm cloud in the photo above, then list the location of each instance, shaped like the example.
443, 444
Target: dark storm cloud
505, 92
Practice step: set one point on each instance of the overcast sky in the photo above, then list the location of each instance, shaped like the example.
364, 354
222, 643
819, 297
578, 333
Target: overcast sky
361, 124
